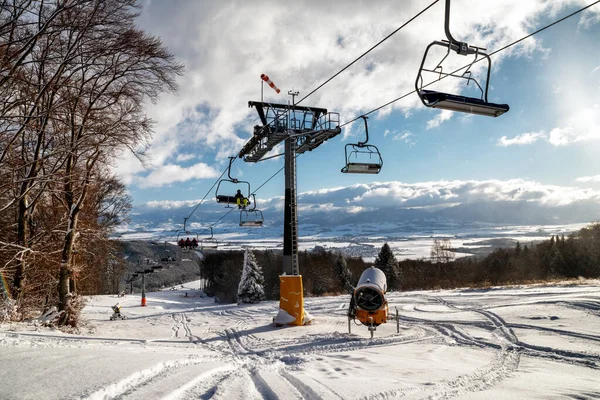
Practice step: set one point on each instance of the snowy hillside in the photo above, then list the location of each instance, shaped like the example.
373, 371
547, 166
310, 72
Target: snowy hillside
534, 342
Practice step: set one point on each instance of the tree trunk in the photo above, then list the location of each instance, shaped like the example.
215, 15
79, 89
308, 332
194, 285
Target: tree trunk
66, 270
22, 239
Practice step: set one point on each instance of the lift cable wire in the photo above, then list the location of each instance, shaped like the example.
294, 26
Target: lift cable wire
476, 61
368, 51
430, 83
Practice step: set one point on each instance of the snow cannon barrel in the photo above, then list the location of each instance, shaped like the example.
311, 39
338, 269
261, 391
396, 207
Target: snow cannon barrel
371, 288
370, 305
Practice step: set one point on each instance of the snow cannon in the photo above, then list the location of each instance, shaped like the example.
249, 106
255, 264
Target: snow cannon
368, 303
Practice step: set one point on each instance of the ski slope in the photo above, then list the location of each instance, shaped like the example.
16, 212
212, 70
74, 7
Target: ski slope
534, 342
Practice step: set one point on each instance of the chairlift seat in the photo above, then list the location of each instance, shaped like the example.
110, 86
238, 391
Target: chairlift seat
226, 199
205, 244
362, 168
251, 224
453, 102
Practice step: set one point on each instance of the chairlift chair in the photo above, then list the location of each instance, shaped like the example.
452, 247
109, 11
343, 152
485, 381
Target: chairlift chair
362, 158
166, 256
210, 242
453, 102
186, 234
251, 217
228, 199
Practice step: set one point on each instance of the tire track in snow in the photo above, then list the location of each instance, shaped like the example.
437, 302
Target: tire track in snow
306, 391
571, 357
234, 342
140, 378
203, 386
347, 343
504, 364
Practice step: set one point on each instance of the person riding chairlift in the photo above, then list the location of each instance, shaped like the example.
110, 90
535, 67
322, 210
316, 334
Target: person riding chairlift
194, 243
188, 243
241, 201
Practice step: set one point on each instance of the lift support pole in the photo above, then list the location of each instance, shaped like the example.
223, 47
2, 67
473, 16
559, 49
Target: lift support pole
290, 282
290, 220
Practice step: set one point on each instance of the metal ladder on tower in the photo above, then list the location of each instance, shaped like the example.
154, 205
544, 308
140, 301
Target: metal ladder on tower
295, 268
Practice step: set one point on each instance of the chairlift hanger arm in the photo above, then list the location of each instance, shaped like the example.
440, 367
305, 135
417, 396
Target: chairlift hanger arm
418, 87
362, 144
231, 159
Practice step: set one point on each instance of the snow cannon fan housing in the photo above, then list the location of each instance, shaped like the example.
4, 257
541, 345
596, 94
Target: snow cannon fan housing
369, 297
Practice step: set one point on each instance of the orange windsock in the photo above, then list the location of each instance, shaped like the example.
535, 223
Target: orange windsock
266, 79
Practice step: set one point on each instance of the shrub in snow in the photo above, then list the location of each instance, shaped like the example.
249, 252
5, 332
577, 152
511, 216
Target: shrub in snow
250, 289
8, 309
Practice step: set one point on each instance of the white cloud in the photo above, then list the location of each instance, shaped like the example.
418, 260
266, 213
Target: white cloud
185, 157
561, 136
589, 17
404, 136
596, 69
585, 179
581, 126
171, 173
225, 47
524, 138
440, 117
426, 195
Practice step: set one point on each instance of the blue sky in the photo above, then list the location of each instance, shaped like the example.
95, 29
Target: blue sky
547, 142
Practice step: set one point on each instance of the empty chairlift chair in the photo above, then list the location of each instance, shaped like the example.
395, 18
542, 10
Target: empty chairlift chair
453, 102
252, 217
209, 242
362, 158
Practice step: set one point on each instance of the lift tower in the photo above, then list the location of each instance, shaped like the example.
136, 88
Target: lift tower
303, 129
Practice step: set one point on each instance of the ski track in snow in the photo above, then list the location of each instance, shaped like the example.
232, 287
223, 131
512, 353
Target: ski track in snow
233, 355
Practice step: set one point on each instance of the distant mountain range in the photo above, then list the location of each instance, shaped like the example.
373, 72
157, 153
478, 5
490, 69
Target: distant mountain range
374, 221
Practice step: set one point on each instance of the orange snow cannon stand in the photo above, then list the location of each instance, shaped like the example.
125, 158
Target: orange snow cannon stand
373, 317
291, 301
143, 302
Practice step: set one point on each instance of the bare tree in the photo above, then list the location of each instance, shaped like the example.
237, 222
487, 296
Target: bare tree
440, 250
75, 76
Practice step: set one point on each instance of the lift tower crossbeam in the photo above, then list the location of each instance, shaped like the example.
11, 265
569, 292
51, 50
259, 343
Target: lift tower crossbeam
303, 129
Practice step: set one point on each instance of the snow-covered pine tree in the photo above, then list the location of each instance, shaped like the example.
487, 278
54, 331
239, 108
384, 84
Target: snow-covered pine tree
250, 289
343, 273
386, 262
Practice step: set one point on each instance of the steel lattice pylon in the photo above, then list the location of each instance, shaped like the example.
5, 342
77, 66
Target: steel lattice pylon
303, 129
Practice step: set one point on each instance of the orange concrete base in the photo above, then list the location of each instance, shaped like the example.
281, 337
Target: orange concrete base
291, 299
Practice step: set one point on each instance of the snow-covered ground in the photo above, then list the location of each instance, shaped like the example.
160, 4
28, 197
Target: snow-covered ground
535, 342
